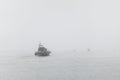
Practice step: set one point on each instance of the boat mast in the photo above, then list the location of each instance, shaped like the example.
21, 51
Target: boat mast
40, 45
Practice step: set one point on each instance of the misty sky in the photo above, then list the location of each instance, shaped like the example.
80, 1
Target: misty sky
59, 24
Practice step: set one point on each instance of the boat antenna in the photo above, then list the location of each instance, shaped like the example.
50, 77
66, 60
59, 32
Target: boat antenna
40, 45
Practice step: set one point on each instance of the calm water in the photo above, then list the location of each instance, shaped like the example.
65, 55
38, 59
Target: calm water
59, 66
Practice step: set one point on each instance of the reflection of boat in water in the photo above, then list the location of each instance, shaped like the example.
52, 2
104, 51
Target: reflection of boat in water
42, 51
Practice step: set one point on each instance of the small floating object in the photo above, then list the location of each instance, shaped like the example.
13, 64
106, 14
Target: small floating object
42, 51
88, 49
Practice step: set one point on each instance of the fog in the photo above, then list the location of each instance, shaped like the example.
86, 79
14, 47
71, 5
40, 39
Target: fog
60, 25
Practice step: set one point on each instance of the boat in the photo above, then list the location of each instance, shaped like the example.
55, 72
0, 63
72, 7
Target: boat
42, 51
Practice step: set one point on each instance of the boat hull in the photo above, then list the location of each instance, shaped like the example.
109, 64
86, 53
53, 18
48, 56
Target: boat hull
39, 53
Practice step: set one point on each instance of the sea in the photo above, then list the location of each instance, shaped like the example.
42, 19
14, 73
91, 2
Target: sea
58, 66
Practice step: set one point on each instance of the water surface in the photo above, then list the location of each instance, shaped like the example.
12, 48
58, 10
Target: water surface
59, 66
